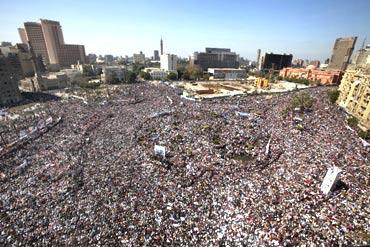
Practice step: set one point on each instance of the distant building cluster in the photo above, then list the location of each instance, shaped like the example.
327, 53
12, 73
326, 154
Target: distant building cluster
47, 41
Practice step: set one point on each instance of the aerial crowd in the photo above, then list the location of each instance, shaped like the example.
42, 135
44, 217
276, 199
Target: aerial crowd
237, 171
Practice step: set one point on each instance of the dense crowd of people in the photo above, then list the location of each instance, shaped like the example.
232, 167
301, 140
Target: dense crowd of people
237, 172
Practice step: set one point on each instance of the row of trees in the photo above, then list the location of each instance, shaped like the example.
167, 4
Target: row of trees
131, 77
190, 72
295, 80
185, 71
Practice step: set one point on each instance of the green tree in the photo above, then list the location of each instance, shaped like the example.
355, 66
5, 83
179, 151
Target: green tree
99, 71
90, 85
302, 102
145, 75
116, 81
137, 68
206, 76
364, 134
131, 77
180, 71
352, 122
192, 72
172, 76
87, 70
333, 96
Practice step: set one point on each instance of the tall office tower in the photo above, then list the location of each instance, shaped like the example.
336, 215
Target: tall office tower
53, 36
156, 55
161, 46
342, 52
35, 36
258, 57
47, 40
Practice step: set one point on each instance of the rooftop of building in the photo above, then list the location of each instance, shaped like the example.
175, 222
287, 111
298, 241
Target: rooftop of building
32, 23
50, 21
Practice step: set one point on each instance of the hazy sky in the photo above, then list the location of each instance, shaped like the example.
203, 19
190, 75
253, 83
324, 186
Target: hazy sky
307, 29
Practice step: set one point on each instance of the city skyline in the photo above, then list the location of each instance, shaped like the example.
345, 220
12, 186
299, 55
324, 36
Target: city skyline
127, 28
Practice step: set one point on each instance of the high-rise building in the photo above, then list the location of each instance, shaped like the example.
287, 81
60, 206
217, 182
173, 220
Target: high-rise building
354, 95
258, 57
216, 58
156, 55
161, 46
276, 61
54, 39
47, 40
169, 62
36, 38
10, 74
342, 52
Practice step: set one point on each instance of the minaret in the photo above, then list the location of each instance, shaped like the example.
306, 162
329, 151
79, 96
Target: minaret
161, 46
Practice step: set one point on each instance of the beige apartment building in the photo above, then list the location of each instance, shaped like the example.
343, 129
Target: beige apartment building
47, 40
355, 95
